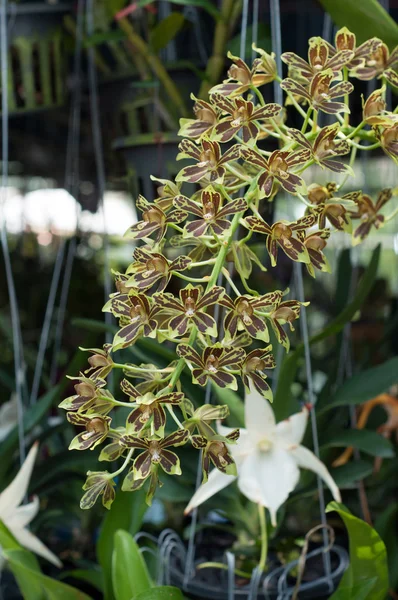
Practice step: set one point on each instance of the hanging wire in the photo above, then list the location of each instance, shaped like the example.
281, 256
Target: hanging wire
15, 321
311, 398
99, 158
276, 40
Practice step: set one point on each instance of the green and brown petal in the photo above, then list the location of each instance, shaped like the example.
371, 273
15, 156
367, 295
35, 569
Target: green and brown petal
98, 483
96, 430
215, 451
256, 362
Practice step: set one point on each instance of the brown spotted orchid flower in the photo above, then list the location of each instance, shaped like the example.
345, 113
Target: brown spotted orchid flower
331, 208
155, 453
241, 315
325, 147
166, 192
100, 362
87, 389
315, 242
135, 315
150, 408
190, 310
389, 140
215, 450
98, 483
368, 213
374, 108
201, 418
285, 312
277, 169
380, 62
346, 40
321, 94
213, 364
281, 234
154, 220
205, 119
242, 116
96, 430
319, 59
241, 78
150, 268
210, 163
212, 212
256, 362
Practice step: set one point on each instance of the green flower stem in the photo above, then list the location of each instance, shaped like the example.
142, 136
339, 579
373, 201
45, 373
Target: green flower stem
264, 540
241, 176
392, 215
303, 200
143, 370
356, 130
305, 166
174, 416
217, 565
294, 101
269, 131
315, 121
176, 227
229, 279
306, 120
361, 147
191, 279
201, 263
247, 288
124, 465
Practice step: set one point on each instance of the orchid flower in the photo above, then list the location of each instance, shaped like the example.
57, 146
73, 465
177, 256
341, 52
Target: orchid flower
268, 456
17, 516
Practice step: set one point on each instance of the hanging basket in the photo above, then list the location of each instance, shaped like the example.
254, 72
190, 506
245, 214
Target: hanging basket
36, 57
278, 583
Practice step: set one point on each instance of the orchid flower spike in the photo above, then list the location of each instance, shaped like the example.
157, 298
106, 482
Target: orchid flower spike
17, 516
268, 456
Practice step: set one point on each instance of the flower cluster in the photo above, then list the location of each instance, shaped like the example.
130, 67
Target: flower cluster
187, 285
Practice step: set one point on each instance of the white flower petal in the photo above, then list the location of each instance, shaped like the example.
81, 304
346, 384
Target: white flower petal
13, 495
23, 515
268, 478
291, 431
307, 460
259, 416
217, 481
32, 543
242, 447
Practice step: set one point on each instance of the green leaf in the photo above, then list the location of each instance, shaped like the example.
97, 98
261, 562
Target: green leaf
386, 526
365, 385
103, 37
352, 472
368, 560
366, 19
165, 31
284, 403
365, 440
126, 513
91, 576
164, 592
129, 572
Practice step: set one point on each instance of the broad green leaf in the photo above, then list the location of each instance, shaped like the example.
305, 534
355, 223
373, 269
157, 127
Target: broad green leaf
352, 472
386, 526
92, 576
367, 441
368, 560
126, 513
284, 403
365, 385
366, 19
164, 592
165, 31
130, 575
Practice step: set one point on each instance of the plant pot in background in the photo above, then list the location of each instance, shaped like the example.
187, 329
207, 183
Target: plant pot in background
36, 57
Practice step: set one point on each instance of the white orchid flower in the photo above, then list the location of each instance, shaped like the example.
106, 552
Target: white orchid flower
16, 517
268, 456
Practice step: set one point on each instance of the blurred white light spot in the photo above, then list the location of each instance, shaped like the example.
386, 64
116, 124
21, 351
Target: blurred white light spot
44, 238
53, 209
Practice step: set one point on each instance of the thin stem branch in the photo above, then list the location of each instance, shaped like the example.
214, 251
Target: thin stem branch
264, 540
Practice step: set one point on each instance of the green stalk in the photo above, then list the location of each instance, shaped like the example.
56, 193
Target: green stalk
306, 120
264, 540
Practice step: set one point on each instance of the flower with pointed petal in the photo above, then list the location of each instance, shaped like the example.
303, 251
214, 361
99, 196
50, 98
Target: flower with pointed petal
135, 318
213, 364
374, 108
150, 406
150, 268
243, 116
277, 168
243, 258
98, 483
268, 456
379, 62
286, 312
319, 59
206, 119
16, 516
325, 147
166, 192
100, 362
154, 220
335, 210
242, 314
346, 40
96, 430
265, 65
86, 390
210, 162
114, 450
241, 77
154, 453
201, 417
368, 213
190, 310
254, 365
215, 450
389, 140
320, 94
210, 212
315, 242
153, 379
281, 234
